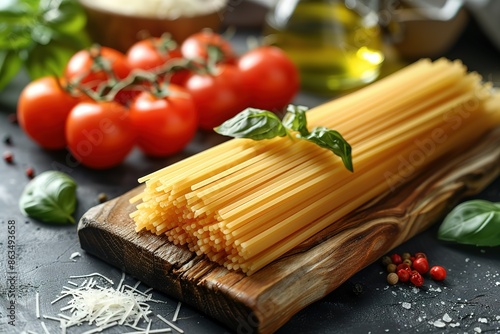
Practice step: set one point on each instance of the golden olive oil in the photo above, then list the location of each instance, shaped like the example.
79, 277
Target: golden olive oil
335, 47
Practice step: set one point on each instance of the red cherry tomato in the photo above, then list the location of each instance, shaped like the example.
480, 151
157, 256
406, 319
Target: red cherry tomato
100, 135
42, 109
270, 76
153, 53
164, 125
438, 273
98, 65
196, 46
421, 265
218, 96
84, 66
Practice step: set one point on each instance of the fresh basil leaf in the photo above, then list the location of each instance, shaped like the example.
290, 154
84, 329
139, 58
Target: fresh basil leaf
16, 21
13, 15
15, 36
44, 33
75, 42
50, 197
10, 64
254, 124
295, 119
18, 8
41, 34
65, 16
475, 222
46, 60
333, 141
259, 124
32, 4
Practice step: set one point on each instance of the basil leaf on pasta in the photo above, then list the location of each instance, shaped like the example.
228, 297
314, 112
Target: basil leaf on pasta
254, 124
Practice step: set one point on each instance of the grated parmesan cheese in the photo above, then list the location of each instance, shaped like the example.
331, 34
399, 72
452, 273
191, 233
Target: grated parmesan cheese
103, 307
170, 324
45, 328
74, 255
37, 305
176, 313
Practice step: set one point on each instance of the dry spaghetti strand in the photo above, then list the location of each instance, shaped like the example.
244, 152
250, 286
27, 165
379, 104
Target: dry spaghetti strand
243, 204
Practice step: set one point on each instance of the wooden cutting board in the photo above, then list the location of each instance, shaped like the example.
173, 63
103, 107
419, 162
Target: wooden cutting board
266, 300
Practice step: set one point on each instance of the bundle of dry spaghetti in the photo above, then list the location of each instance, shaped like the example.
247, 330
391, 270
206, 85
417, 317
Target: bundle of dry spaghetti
245, 203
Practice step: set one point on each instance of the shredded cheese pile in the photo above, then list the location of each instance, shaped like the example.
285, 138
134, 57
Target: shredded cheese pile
103, 307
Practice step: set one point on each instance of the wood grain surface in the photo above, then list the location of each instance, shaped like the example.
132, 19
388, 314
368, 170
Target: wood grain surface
263, 302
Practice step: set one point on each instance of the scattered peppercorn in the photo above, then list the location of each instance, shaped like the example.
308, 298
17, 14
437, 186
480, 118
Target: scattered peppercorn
391, 268
421, 265
30, 172
416, 279
392, 278
403, 266
437, 273
386, 260
357, 289
102, 197
403, 275
408, 267
420, 254
396, 258
406, 256
8, 157
7, 140
408, 262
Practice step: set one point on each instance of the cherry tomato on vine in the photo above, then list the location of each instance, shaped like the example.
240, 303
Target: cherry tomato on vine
154, 53
42, 109
196, 46
165, 125
89, 66
100, 134
270, 76
218, 96
97, 66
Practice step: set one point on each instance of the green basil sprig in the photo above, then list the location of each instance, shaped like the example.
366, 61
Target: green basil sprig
50, 197
254, 124
40, 36
475, 222
260, 124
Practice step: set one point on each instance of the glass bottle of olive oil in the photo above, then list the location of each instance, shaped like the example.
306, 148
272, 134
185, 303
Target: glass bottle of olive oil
336, 44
